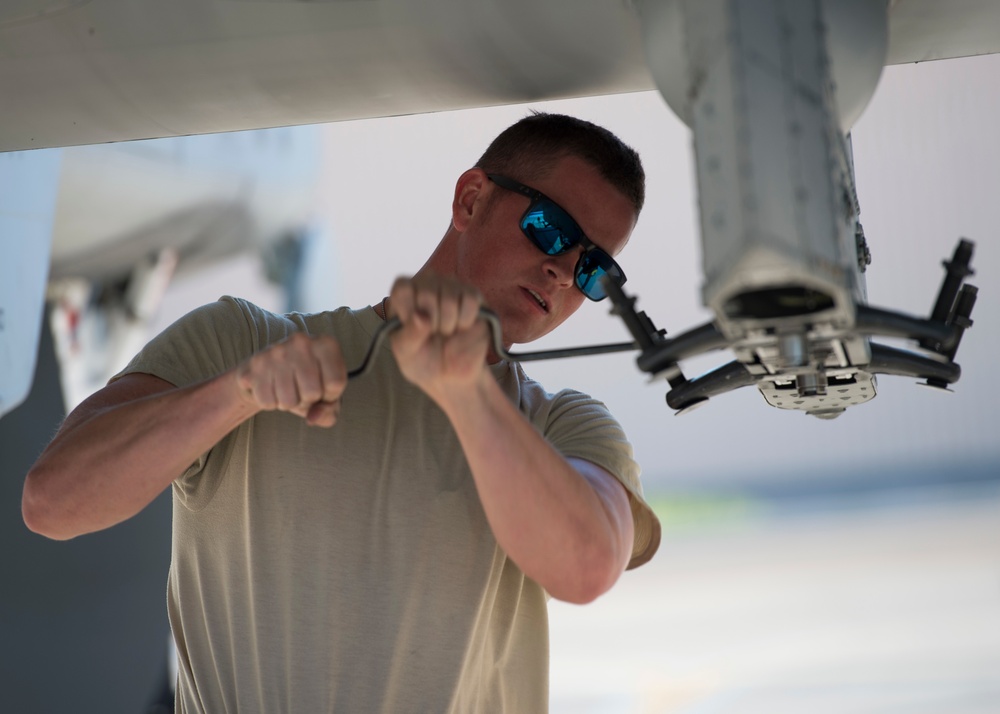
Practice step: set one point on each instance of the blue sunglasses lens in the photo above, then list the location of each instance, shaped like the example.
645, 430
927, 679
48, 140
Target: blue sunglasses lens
593, 266
550, 227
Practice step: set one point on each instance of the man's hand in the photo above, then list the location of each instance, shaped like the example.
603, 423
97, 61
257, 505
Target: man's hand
303, 375
442, 344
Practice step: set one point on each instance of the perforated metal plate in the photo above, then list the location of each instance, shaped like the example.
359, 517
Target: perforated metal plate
840, 392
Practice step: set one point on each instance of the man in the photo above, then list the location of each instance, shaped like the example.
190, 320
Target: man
400, 558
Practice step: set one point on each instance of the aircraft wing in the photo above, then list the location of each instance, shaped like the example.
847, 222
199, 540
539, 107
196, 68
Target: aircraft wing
92, 71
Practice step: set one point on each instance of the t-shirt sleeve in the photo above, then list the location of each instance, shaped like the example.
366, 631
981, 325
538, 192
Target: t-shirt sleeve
581, 427
202, 344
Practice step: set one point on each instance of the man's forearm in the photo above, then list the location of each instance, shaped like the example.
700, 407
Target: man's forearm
115, 454
571, 534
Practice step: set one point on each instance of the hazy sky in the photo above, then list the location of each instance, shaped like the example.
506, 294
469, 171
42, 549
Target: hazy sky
927, 155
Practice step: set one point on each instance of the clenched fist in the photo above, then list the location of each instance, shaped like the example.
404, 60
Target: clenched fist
303, 375
442, 344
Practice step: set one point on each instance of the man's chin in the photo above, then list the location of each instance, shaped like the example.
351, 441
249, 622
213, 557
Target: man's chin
519, 329
525, 336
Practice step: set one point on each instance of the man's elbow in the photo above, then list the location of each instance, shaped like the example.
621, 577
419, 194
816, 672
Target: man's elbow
602, 564
582, 595
595, 576
39, 512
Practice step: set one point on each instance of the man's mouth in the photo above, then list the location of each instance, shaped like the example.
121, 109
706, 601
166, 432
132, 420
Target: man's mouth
538, 298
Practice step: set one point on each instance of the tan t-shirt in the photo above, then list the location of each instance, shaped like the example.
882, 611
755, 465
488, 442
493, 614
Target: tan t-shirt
352, 569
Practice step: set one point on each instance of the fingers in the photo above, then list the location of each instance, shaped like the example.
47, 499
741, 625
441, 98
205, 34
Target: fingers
451, 298
468, 312
302, 375
333, 373
442, 345
432, 309
437, 305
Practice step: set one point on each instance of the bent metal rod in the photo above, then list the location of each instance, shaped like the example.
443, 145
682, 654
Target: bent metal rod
494, 324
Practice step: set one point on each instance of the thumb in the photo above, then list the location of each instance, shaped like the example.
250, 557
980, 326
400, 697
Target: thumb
323, 413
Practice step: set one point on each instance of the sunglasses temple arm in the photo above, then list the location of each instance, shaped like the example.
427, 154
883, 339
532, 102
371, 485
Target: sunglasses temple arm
496, 334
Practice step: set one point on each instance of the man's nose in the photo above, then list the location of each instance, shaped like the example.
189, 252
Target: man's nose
562, 267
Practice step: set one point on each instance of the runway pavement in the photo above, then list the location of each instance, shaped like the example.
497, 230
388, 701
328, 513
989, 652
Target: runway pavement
886, 603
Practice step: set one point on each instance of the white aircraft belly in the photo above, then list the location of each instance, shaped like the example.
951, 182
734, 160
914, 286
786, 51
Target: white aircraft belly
112, 70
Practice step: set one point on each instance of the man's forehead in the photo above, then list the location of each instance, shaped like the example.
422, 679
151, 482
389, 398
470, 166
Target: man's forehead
572, 176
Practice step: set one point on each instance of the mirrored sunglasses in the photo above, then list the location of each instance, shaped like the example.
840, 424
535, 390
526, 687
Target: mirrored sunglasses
553, 231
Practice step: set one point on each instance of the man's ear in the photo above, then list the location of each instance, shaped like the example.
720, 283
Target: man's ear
470, 196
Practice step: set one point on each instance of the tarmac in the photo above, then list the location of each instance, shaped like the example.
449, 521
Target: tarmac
886, 603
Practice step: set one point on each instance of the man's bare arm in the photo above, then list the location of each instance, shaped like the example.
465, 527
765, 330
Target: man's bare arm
567, 524
120, 449
124, 445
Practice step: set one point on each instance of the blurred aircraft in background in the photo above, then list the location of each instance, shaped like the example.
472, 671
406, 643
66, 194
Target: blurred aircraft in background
770, 90
122, 219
